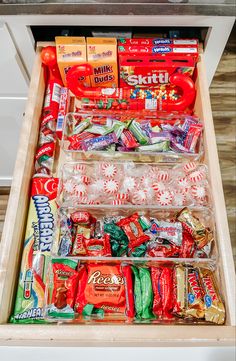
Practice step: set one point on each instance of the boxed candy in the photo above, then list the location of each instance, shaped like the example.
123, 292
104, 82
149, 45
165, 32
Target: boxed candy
102, 56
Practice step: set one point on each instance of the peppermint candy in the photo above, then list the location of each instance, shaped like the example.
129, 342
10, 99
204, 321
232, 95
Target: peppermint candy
129, 184
68, 186
164, 198
111, 186
98, 185
183, 183
80, 189
117, 202
146, 181
163, 176
198, 192
122, 196
109, 170
80, 168
140, 196
158, 186
83, 200
153, 172
189, 167
196, 176
83, 179
179, 198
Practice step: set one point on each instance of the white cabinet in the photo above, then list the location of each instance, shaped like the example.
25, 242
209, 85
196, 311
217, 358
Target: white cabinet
11, 115
13, 93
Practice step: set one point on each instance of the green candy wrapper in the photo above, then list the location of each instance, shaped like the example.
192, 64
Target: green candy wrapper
115, 232
138, 133
147, 293
138, 251
137, 293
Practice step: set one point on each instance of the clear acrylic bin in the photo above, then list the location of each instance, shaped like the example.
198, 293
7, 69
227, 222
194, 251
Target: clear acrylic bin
65, 232
129, 183
105, 281
168, 156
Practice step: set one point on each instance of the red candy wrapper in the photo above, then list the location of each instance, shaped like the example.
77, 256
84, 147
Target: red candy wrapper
129, 292
162, 282
65, 279
82, 217
133, 230
98, 247
101, 286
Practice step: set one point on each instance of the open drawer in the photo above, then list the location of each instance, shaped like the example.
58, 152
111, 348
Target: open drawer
106, 334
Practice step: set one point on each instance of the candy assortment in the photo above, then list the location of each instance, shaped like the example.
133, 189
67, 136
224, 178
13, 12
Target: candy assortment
129, 183
135, 292
132, 133
130, 240
147, 233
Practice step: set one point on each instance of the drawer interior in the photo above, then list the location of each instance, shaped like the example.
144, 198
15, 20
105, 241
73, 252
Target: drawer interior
13, 235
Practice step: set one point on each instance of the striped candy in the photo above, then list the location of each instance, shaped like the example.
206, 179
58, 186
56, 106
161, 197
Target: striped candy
189, 167
111, 186
196, 176
163, 176
198, 192
164, 198
109, 170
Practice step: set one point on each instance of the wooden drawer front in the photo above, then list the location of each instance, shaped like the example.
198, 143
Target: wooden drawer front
132, 335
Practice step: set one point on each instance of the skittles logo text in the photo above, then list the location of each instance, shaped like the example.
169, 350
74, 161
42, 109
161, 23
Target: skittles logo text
45, 222
160, 78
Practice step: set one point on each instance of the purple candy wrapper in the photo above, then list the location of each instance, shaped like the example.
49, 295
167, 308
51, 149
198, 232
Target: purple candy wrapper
99, 142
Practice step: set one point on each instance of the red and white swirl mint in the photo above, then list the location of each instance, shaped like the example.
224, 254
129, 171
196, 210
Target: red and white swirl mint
129, 184
117, 202
146, 181
198, 192
92, 201
190, 167
83, 179
83, 200
122, 196
183, 183
98, 185
163, 176
139, 196
80, 190
109, 170
69, 186
111, 186
179, 198
164, 198
196, 176
80, 168
158, 186
153, 172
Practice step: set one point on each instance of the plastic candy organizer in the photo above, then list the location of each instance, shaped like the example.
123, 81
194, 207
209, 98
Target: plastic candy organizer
131, 136
138, 184
101, 231
143, 292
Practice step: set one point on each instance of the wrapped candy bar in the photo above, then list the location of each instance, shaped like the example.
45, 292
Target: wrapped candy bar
195, 303
103, 287
214, 307
65, 282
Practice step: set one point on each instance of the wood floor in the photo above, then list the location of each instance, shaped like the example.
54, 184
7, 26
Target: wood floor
223, 99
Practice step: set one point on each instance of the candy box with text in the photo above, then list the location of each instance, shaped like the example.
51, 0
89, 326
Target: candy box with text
158, 41
148, 71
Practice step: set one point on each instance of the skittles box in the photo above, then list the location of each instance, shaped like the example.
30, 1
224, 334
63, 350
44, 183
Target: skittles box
158, 41
37, 246
102, 56
71, 51
146, 71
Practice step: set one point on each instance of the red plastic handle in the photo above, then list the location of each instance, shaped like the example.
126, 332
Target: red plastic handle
184, 82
